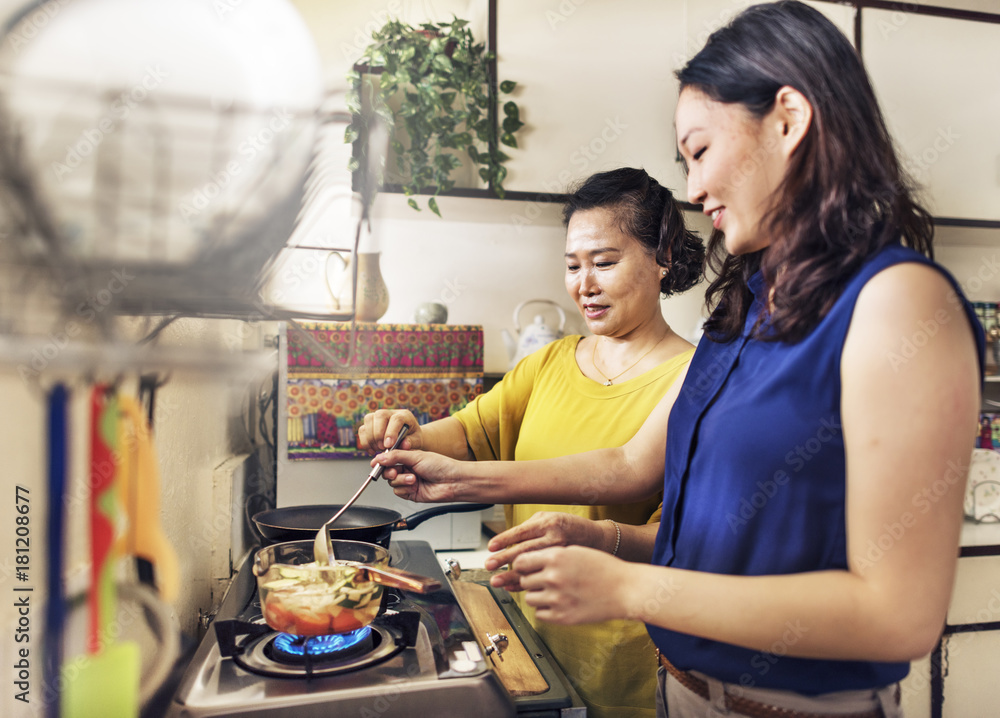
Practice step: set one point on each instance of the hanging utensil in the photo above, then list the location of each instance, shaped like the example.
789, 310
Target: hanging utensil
55, 607
103, 514
140, 487
107, 684
322, 548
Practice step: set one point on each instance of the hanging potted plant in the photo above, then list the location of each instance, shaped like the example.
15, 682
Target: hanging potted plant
434, 88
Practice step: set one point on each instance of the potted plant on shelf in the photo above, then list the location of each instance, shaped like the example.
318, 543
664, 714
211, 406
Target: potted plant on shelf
435, 89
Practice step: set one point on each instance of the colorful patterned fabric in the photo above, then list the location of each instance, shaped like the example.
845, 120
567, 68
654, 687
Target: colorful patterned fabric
432, 370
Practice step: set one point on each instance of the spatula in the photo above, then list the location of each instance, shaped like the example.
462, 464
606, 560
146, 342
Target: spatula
322, 548
144, 536
107, 683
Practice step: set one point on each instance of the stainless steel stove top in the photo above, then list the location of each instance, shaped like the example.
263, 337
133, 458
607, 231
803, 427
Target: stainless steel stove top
420, 658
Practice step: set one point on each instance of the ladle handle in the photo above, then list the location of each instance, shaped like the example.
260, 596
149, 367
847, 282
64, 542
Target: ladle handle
374, 475
348, 505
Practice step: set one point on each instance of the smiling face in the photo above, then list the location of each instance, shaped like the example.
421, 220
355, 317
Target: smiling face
612, 277
735, 163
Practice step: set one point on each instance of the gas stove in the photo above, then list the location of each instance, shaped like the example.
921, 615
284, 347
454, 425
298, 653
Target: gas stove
420, 655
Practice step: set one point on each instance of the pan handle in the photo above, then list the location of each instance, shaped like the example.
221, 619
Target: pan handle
397, 578
414, 520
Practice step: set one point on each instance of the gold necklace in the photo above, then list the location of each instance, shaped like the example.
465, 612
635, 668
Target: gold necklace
607, 381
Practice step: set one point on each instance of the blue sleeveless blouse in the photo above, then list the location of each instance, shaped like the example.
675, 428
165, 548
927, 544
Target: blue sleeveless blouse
755, 482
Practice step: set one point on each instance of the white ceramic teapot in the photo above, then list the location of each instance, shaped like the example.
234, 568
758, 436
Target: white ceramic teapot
535, 335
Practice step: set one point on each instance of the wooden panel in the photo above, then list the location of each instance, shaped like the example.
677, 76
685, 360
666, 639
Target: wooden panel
516, 669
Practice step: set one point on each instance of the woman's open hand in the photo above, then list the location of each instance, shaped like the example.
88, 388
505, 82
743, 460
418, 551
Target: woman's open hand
543, 530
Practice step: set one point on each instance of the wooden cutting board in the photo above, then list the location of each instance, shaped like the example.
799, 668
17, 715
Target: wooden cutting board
517, 672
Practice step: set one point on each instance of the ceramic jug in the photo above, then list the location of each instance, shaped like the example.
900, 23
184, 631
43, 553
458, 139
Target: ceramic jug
373, 294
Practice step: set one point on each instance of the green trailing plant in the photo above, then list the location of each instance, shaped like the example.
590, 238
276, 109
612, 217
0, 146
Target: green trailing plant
436, 94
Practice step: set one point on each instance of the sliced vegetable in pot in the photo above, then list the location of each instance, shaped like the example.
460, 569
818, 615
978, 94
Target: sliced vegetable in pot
305, 601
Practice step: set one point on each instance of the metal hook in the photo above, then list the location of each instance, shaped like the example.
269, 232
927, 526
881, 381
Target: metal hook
148, 386
111, 388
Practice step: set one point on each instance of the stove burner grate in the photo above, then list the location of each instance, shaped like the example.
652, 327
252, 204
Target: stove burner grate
321, 647
260, 655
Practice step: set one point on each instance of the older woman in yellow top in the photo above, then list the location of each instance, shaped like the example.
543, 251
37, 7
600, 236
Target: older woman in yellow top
626, 245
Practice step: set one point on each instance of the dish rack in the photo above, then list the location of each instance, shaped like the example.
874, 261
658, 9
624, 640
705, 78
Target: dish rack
104, 217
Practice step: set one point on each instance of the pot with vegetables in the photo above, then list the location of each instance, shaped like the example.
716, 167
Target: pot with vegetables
304, 598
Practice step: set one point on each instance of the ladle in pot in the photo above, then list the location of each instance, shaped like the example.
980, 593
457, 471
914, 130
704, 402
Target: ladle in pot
322, 547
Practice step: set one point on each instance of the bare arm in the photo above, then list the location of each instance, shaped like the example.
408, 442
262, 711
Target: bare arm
907, 423
603, 476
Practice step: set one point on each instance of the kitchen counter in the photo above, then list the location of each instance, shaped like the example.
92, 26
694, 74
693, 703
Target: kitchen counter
470, 560
980, 539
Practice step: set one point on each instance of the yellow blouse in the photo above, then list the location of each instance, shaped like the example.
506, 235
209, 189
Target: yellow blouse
543, 408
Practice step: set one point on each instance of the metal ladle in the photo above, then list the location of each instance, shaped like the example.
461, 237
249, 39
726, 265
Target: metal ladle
322, 546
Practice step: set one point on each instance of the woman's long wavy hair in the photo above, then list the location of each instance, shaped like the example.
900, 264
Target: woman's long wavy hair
845, 195
646, 211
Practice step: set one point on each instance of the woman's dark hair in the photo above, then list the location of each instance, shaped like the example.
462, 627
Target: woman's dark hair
645, 210
844, 196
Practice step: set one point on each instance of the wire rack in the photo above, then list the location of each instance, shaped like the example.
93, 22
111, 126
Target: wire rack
175, 207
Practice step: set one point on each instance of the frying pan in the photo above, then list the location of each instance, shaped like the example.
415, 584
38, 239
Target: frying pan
371, 524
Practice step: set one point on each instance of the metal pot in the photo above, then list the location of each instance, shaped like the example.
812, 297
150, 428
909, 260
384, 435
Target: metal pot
370, 524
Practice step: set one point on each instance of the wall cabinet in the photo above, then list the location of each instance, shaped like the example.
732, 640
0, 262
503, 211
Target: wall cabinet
937, 82
964, 667
605, 94
597, 90
972, 666
958, 679
602, 97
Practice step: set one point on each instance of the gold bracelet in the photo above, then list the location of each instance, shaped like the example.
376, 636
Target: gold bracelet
618, 536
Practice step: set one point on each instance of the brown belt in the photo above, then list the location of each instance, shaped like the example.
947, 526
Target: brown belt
753, 709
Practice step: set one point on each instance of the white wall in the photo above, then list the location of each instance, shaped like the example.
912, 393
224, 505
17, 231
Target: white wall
484, 257
482, 263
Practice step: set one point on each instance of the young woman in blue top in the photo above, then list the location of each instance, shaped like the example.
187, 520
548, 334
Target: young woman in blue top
808, 546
